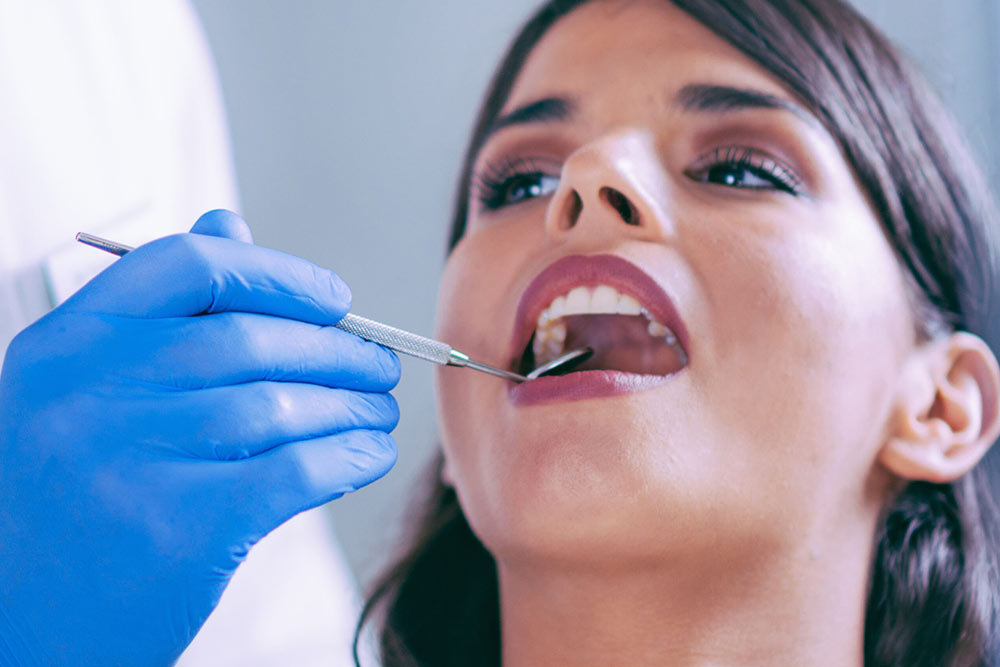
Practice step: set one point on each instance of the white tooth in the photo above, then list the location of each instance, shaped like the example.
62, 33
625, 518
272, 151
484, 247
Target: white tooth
657, 330
578, 301
604, 300
557, 308
627, 305
544, 354
539, 344
544, 319
645, 313
548, 342
557, 331
672, 341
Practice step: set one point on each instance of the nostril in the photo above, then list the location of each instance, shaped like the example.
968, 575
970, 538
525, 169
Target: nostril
621, 204
573, 209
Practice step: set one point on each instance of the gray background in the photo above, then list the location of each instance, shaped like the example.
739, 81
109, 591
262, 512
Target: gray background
348, 121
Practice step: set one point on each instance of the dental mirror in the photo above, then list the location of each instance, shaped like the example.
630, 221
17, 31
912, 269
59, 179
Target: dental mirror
571, 358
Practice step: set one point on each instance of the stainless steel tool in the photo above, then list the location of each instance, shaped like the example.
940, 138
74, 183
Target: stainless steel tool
398, 339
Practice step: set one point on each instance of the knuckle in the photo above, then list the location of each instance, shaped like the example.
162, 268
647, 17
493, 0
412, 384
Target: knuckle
362, 362
391, 412
243, 334
278, 404
297, 472
338, 288
184, 256
379, 411
19, 346
174, 245
381, 365
390, 367
192, 251
381, 448
34, 344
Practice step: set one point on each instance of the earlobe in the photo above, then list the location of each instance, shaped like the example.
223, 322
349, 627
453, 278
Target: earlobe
946, 413
446, 477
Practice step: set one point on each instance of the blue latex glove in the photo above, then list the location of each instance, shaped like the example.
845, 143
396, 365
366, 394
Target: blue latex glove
154, 427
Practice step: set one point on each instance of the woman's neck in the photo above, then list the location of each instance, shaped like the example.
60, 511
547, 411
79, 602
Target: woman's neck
798, 609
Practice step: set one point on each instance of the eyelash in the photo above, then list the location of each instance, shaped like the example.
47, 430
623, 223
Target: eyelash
495, 183
749, 159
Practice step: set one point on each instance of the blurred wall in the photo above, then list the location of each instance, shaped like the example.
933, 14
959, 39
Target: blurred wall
348, 122
957, 44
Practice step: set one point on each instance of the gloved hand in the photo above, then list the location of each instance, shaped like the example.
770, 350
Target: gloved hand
184, 403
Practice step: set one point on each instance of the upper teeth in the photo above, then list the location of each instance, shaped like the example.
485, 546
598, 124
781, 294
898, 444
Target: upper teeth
550, 332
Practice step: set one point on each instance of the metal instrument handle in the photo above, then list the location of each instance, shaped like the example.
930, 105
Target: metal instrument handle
396, 339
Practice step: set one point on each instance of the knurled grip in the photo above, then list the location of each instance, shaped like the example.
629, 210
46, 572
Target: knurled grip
396, 339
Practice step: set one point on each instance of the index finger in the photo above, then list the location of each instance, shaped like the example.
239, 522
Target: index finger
193, 274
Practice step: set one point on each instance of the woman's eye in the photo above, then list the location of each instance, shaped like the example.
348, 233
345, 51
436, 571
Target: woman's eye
514, 189
737, 176
744, 168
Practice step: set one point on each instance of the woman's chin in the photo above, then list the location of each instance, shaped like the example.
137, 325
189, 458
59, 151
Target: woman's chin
612, 535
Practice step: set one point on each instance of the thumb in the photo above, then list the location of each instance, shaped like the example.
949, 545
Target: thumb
224, 224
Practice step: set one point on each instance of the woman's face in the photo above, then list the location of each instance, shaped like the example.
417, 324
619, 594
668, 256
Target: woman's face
669, 169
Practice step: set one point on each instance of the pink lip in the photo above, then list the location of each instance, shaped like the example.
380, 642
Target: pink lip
581, 385
588, 271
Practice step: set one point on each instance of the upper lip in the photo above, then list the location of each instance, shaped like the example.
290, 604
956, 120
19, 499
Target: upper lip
588, 271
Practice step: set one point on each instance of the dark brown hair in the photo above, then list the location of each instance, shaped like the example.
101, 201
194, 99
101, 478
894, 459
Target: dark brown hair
934, 579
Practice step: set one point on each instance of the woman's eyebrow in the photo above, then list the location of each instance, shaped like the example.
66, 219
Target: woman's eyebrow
715, 98
539, 111
703, 97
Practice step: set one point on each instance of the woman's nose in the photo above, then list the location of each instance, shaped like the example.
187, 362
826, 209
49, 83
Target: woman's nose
614, 187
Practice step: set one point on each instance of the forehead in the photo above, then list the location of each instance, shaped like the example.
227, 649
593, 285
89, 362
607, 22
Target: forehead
612, 50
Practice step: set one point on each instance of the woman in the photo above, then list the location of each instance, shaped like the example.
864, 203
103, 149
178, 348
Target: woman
772, 458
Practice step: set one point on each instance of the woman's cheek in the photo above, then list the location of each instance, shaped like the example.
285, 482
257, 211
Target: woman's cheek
465, 295
806, 315
475, 315
480, 287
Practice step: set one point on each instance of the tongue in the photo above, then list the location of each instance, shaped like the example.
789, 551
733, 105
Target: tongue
622, 343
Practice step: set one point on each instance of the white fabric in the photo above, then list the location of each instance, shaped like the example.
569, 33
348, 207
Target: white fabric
111, 122
290, 603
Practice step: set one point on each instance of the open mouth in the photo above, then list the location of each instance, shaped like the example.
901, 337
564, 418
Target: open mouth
624, 335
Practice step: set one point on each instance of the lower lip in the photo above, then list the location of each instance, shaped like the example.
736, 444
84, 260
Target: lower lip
581, 385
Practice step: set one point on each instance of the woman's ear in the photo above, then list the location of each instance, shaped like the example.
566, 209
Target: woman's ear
945, 415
